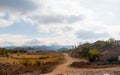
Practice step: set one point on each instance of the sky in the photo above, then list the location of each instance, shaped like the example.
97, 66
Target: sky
58, 22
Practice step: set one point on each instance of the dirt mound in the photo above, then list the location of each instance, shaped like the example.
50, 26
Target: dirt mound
91, 65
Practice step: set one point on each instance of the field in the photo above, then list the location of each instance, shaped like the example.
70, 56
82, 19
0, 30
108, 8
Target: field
23, 62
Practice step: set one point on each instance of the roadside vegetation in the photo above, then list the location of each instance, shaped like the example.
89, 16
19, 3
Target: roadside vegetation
97, 54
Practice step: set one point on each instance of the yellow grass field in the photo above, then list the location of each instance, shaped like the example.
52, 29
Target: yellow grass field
44, 58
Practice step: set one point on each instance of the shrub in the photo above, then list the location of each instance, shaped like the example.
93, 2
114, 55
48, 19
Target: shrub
18, 54
113, 59
38, 63
14, 62
7, 54
43, 57
93, 55
26, 62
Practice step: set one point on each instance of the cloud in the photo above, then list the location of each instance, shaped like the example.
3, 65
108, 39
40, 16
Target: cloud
12, 11
49, 19
12, 40
5, 23
66, 28
72, 19
85, 34
62, 22
106, 11
33, 42
54, 28
61, 38
17, 5
6, 43
53, 19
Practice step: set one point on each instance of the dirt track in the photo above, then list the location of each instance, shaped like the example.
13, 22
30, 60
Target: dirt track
64, 69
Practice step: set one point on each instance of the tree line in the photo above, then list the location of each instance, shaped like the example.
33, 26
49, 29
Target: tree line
7, 52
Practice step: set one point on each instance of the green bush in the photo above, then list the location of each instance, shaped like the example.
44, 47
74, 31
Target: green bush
93, 55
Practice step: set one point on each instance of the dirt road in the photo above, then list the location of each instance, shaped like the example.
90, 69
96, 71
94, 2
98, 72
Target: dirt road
64, 69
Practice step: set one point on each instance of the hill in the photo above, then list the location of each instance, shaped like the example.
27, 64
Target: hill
39, 48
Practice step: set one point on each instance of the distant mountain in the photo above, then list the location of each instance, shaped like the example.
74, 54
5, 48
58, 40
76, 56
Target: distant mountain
52, 47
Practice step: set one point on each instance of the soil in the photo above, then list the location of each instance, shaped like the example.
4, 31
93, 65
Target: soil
65, 68
72, 66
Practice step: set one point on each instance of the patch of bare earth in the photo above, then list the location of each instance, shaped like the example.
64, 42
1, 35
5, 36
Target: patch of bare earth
65, 69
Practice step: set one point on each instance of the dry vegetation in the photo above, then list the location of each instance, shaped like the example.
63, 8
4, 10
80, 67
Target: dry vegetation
23, 63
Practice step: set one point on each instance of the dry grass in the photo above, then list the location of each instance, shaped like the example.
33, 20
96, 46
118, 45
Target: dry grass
23, 63
44, 58
8, 60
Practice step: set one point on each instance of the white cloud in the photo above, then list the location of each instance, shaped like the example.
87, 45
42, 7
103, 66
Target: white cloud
34, 42
9, 39
15, 10
62, 38
85, 34
5, 23
63, 18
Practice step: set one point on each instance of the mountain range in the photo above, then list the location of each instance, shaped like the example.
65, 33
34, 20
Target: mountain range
44, 47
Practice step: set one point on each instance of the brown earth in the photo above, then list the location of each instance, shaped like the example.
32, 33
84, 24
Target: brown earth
65, 69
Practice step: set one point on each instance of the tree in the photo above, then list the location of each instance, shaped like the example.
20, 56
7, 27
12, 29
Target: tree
112, 41
99, 44
93, 55
3, 51
85, 52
